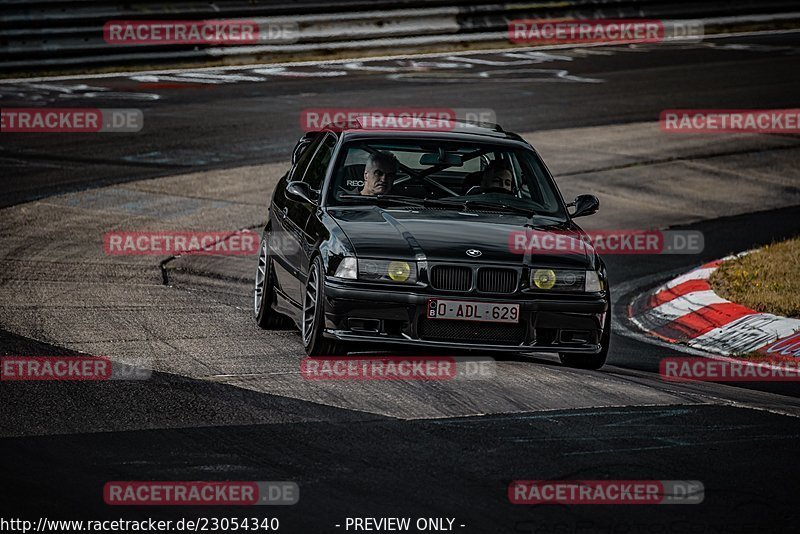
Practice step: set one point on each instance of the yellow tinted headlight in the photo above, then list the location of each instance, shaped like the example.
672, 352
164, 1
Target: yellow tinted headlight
566, 280
396, 271
544, 278
399, 271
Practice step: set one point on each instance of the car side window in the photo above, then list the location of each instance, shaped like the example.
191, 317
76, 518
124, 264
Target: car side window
315, 174
302, 163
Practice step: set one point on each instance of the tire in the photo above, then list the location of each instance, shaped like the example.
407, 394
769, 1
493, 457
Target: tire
313, 318
590, 361
264, 294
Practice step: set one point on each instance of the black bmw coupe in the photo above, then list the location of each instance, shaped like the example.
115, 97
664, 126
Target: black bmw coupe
405, 238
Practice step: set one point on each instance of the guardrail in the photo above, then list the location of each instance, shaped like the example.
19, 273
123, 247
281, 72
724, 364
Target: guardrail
68, 34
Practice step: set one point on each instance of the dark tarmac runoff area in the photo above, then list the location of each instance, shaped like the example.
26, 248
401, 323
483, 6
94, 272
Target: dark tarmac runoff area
219, 399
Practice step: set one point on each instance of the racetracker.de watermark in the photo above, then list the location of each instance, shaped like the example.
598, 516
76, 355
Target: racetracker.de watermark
611, 31
193, 32
606, 242
240, 243
70, 120
727, 121
398, 368
646, 492
67, 368
685, 369
390, 118
200, 493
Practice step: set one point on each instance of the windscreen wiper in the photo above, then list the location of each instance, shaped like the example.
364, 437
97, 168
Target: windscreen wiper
411, 201
393, 199
528, 212
424, 202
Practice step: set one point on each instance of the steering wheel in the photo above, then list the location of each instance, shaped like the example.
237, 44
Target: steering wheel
474, 190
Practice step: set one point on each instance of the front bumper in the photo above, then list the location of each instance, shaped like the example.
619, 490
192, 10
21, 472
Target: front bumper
548, 323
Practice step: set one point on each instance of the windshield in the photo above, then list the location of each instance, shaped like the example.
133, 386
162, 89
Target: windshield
478, 176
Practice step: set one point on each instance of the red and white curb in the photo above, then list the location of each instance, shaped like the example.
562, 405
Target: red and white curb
686, 310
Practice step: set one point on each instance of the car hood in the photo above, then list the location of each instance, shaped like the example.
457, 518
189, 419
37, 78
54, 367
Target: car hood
445, 235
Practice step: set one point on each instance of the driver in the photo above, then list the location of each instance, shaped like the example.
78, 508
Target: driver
379, 174
497, 175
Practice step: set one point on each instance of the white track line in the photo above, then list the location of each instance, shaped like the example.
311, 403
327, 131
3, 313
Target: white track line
312, 63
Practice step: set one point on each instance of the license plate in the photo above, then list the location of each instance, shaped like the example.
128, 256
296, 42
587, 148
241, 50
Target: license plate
464, 310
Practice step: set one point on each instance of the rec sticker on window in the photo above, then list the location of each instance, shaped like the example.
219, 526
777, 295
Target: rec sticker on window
462, 310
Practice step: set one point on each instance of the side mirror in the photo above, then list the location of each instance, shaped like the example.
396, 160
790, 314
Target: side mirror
301, 191
302, 145
585, 205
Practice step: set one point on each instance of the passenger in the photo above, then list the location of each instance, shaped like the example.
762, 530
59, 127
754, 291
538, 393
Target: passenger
379, 174
497, 175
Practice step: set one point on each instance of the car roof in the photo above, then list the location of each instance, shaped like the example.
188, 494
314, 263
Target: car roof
453, 130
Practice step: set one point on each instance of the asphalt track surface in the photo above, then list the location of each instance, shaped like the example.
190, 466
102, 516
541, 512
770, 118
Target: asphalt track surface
235, 410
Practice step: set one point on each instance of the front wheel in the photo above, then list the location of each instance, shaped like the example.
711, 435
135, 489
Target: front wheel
263, 293
314, 315
591, 361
